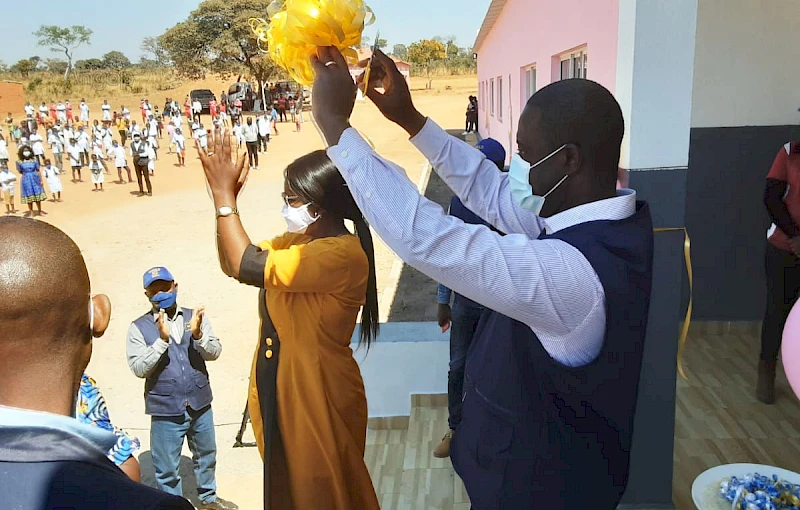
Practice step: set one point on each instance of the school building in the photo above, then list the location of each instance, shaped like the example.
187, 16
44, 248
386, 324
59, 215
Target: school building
710, 91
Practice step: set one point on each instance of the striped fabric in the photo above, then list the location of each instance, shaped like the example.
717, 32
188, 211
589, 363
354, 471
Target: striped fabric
546, 284
91, 410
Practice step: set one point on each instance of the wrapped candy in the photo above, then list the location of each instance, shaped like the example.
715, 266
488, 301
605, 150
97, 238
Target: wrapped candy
759, 492
296, 27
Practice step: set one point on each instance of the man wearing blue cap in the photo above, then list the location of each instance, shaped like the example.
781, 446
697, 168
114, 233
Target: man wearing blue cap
168, 347
462, 320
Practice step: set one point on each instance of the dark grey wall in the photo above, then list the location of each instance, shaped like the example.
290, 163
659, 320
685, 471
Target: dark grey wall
726, 219
650, 482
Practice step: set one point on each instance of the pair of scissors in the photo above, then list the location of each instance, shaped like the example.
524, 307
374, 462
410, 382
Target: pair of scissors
369, 63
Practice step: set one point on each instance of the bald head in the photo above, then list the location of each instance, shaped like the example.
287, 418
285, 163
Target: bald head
583, 122
582, 112
44, 285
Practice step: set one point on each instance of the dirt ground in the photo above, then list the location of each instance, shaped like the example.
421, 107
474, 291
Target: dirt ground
122, 235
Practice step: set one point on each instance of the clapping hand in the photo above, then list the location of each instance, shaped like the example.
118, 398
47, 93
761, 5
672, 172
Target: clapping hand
163, 326
196, 323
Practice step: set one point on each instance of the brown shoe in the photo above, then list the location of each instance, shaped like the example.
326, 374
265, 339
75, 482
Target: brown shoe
765, 388
442, 451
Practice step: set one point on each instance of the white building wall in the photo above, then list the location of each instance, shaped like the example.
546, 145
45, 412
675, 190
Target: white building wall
747, 63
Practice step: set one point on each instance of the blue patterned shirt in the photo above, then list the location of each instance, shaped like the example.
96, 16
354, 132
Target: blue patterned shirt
91, 410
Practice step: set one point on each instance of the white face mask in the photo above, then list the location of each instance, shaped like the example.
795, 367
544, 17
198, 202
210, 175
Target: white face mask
297, 218
519, 179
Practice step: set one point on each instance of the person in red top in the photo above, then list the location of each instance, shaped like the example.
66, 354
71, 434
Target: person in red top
70, 117
187, 108
53, 113
282, 108
782, 198
212, 107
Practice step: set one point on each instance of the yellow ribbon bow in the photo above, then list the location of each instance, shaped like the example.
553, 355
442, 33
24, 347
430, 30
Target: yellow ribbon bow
297, 27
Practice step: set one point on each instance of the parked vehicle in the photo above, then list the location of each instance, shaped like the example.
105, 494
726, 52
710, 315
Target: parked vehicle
293, 88
204, 96
242, 91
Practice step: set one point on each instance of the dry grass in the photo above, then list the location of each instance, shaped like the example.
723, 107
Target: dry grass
94, 85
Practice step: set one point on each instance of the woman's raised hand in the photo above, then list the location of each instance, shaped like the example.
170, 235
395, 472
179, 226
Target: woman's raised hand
225, 177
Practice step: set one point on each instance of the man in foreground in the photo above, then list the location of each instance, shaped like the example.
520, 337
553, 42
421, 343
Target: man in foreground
552, 375
48, 459
168, 347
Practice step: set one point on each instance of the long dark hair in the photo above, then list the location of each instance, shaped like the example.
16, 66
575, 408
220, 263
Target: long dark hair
314, 178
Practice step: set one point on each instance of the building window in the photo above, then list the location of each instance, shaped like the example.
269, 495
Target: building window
500, 98
528, 82
491, 96
574, 64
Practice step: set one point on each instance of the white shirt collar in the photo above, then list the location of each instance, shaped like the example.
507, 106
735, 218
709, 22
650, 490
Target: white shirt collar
617, 208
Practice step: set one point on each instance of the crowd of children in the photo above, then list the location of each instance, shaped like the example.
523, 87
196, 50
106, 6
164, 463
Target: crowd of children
76, 143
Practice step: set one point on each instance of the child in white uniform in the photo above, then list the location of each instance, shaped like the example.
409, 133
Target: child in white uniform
37, 144
52, 176
7, 183
98, 178
119, 160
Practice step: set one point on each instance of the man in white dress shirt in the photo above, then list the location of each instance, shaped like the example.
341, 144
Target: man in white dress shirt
552, 377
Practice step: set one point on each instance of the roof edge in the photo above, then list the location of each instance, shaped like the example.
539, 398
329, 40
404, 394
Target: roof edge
492, 13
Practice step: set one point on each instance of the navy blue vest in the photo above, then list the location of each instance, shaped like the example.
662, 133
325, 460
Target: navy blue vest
537, 434
180, 379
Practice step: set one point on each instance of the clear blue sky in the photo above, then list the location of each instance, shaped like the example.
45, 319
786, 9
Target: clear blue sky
121, 25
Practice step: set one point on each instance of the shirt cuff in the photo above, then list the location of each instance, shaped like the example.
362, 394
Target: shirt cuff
430, 140
160, 346
253, 266
351, 149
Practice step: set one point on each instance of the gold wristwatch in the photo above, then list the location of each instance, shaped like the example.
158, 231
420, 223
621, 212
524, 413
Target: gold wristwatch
226, 210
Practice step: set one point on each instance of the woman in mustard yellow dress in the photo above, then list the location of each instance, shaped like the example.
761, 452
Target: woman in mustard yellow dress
307, 400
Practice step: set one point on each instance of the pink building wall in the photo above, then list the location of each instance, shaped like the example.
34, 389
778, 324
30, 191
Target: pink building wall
537, 32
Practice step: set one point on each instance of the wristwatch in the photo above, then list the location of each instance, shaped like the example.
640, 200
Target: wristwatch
226, 210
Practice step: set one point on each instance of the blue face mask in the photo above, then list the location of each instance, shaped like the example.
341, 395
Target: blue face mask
519, 178
164, 300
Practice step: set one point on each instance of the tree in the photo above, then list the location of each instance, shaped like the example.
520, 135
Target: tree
3, 67
400, 51
425, 53
381, 44
63, 39
217, 37
90, 64
24, 67
115, 60
36, 61
153, 46
55, 65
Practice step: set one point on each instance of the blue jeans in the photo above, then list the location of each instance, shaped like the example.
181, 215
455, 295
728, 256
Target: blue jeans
464, 316
166, 443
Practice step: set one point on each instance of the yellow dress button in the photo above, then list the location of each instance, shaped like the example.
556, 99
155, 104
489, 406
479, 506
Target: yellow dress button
268, 354
269, 342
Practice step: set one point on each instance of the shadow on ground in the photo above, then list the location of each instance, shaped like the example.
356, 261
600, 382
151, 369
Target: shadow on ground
415, 299
186, 470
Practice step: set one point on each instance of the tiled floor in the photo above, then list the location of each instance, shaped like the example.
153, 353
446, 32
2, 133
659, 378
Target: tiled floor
718, 421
